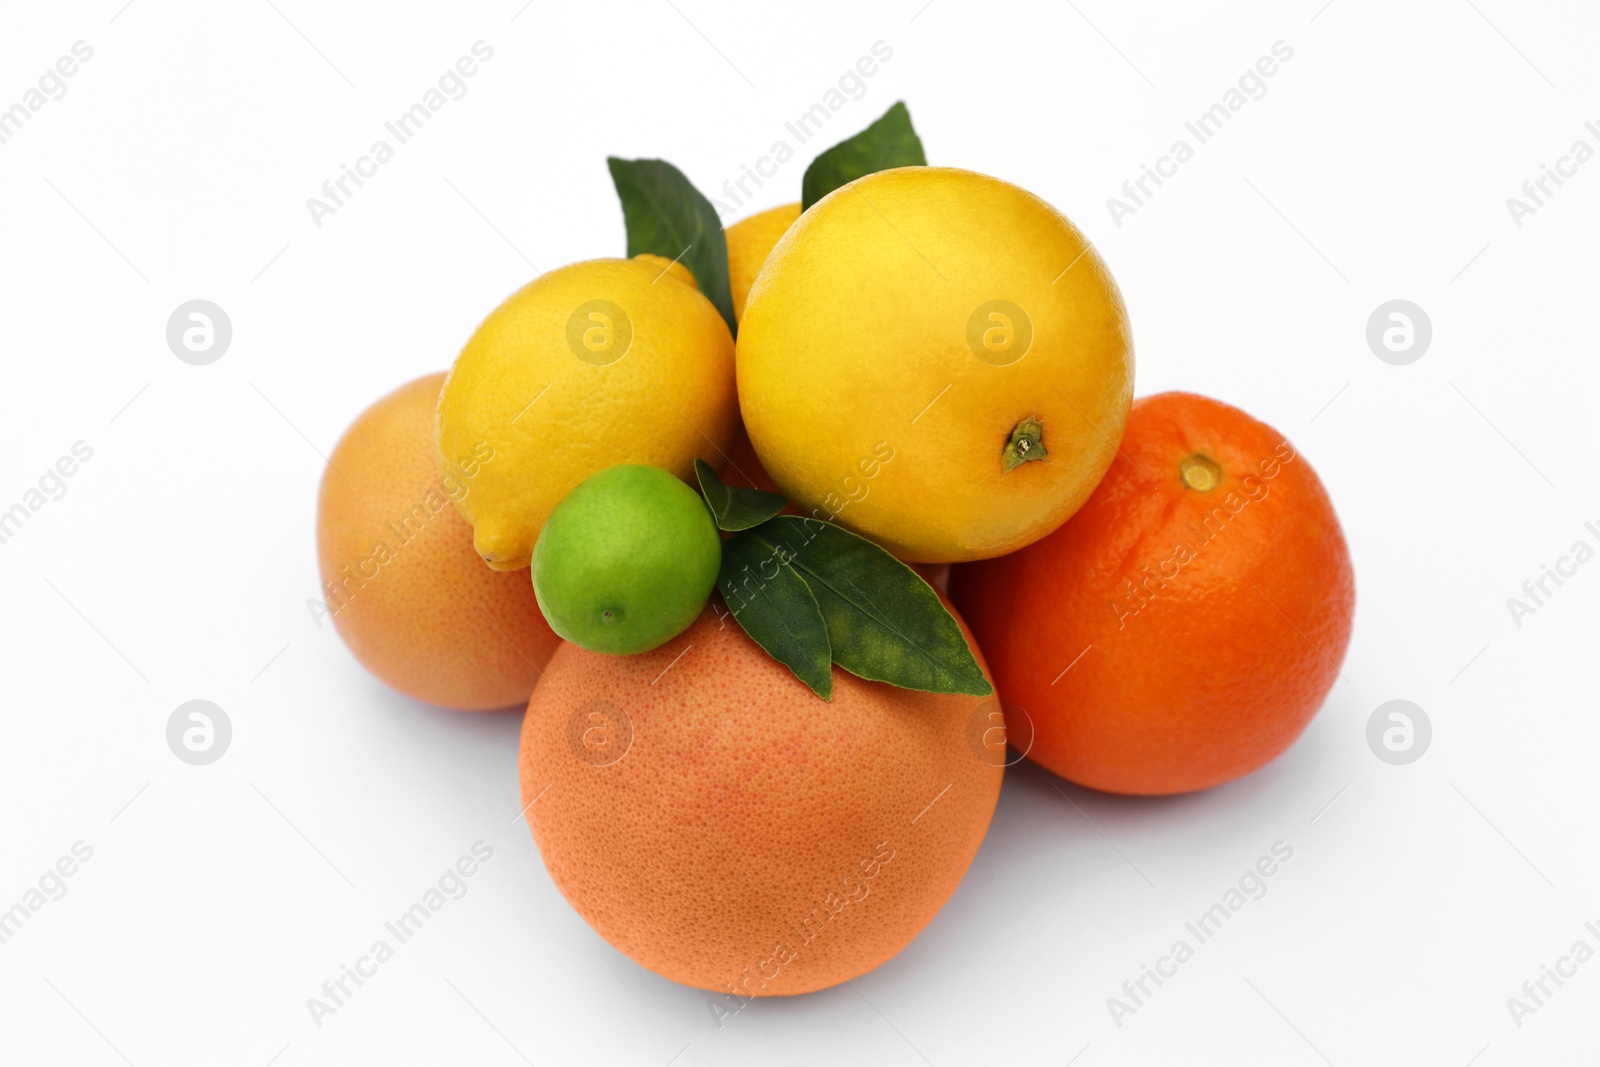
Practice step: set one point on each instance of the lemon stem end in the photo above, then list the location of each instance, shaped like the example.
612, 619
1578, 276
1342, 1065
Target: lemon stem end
1025, 444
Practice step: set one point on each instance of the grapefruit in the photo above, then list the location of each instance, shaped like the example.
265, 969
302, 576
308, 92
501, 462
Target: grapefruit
405, 587
716, 821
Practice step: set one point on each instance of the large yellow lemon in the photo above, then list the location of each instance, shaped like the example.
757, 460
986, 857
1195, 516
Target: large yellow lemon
938, 360
603, 362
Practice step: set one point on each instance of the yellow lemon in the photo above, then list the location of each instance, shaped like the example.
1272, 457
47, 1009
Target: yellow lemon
749, 242
603, 362
937, 360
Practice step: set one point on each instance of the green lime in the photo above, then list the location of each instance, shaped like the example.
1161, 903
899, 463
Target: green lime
626, 561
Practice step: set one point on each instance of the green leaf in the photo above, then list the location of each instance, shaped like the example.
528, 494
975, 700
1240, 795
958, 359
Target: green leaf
777, 611
884, 622
667, 216
889, 142
734, 507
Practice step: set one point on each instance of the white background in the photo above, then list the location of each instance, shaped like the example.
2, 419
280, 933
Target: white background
178, 564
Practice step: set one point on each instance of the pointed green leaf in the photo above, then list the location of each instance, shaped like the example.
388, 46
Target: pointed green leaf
734, 507
884, 622
667, 216
775, 606
890, 142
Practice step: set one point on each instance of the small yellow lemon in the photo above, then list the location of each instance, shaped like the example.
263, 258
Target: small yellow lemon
603, 362
749, 242
938, 360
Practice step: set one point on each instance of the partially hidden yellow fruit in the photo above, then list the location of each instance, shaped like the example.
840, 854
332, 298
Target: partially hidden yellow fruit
407, 592
749, 243
603, 362
938, 360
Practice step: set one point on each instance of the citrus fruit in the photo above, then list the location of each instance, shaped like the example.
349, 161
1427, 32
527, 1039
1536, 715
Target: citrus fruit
749, 242
598, 363
626, 561
716, 821
744, 469
406, 590
1183, 627
937, 360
